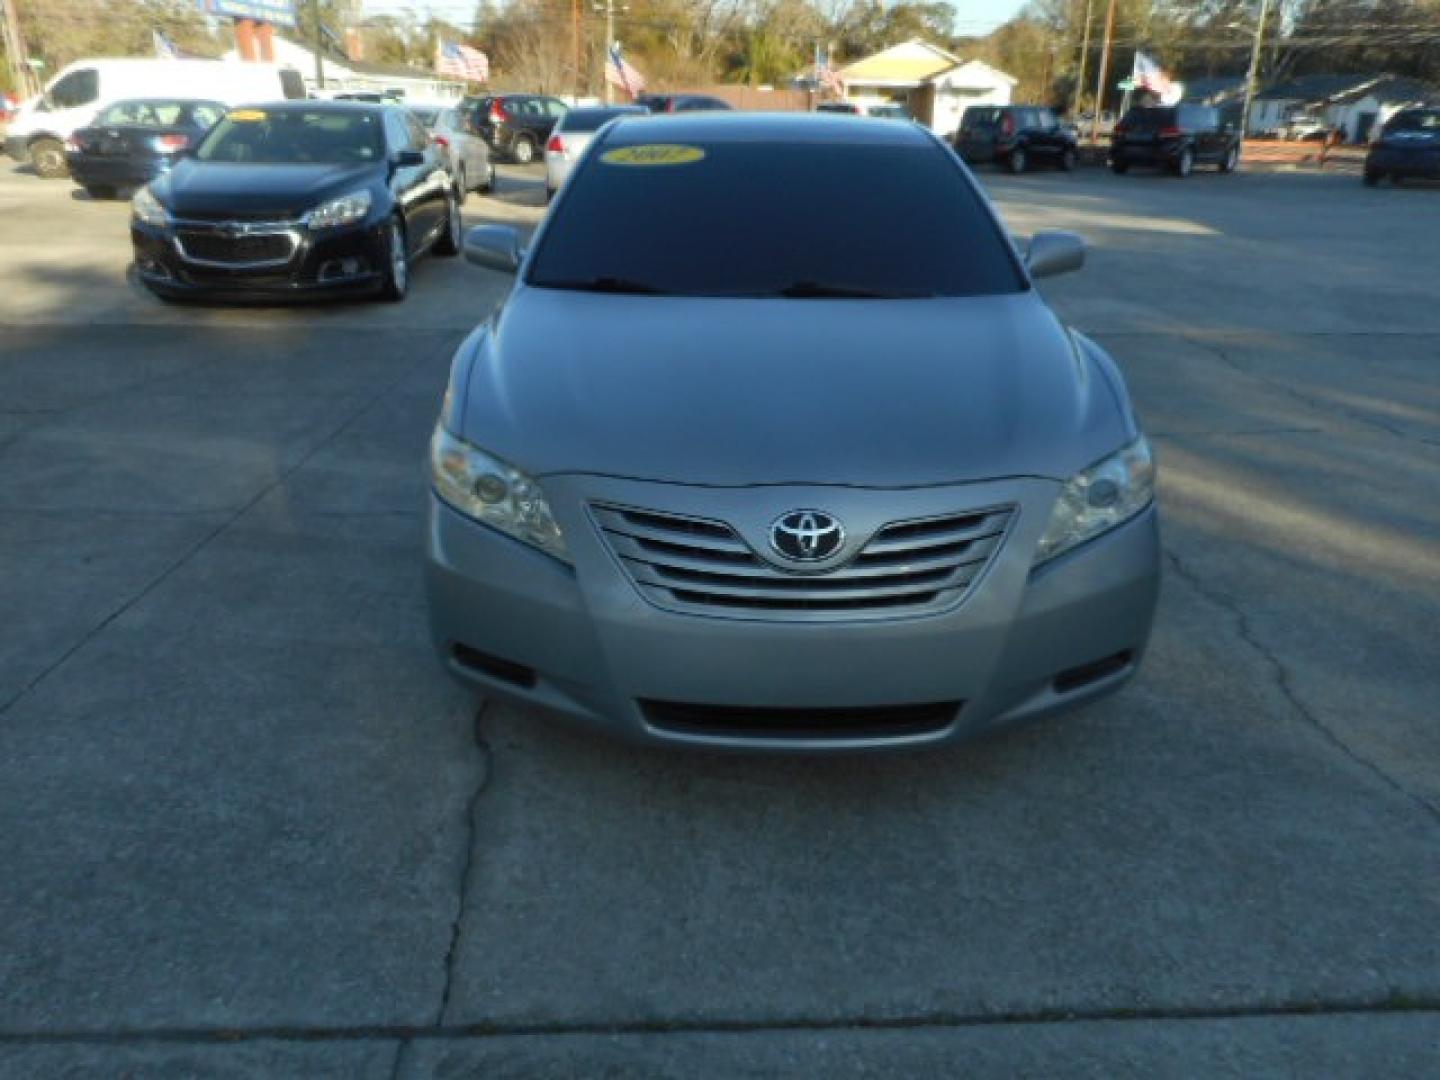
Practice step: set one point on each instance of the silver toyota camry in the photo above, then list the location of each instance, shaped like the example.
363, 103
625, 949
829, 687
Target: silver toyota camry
774, 445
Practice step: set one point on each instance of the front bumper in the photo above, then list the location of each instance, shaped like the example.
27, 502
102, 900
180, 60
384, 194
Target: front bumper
321, 264
584, 643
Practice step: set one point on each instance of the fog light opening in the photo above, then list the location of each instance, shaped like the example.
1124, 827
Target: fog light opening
1078, 677
496, 668
348, 267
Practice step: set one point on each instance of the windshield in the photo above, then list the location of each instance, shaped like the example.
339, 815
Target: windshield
1149, 119
1428, 121
295, 137
771, 219
427, 116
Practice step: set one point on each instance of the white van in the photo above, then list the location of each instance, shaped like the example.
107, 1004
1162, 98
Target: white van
80, 90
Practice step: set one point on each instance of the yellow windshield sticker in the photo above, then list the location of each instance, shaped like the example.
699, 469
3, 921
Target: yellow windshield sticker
246, 116
653, 154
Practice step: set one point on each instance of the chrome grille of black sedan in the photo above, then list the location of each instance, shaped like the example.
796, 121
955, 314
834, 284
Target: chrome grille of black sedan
236, 244
702, 566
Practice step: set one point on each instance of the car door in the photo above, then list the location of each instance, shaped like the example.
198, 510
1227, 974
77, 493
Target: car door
471, 149
1047, 136
411, 183
72, 101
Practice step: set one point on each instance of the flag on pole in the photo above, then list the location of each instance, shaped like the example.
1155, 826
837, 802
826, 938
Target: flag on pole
164, 48
619, 72
827, 78
1148, 75
461, 61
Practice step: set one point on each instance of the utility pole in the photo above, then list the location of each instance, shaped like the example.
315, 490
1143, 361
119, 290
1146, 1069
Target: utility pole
575, 47
319, 46
609, 43
14, 41
1084, 57
1253, 74
1104, 71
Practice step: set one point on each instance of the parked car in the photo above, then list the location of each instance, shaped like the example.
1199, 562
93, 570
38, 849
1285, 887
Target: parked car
1015, 137
78, 92
517, 125
1408, 146
883, 111
675, 103
132, 142
1174, 137
1304, 127
296, 199
467, 155
669, 496
572, 135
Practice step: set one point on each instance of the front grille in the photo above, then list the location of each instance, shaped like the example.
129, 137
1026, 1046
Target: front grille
215, 247
704, 567
739, 721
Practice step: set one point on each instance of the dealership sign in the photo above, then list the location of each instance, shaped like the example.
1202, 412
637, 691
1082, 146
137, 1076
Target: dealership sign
279, 12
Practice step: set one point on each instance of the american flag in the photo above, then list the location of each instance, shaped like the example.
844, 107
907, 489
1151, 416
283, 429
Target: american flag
826, 77
619, 72
1147, 75
164, 48
462, 62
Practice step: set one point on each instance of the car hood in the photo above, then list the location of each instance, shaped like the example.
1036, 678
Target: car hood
1416, 139
209, 187
735, 392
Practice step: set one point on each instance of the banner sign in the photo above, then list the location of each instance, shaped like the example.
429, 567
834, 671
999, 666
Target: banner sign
279, 12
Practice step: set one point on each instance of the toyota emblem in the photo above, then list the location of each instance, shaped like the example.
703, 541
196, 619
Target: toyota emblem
807, 536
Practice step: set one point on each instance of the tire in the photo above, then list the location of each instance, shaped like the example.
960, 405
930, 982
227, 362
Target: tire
1373, 177
452, 237
462, 189
489, 186
1068, 160
1119, 168
1231, 160
523, 150
100, 191
48, 157
395, 278
1016, 161
1185, 163
549, 195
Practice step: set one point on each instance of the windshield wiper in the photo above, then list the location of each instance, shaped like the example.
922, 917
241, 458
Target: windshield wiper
607, 285
819, 290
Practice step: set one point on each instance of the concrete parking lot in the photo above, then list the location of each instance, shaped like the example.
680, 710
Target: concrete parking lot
247, 827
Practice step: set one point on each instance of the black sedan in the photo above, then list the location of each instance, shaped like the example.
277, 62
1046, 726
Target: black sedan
1408, 146
132, 142
298, 198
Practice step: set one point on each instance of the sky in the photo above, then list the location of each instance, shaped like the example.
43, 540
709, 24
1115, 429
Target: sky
976, 17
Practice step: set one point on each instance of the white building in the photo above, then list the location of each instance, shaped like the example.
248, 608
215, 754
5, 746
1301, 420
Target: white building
933, 84
350, 76
1356, 104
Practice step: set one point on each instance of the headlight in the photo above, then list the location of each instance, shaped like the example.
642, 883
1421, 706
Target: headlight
490, 491
346, 210
147, 209
1107, 494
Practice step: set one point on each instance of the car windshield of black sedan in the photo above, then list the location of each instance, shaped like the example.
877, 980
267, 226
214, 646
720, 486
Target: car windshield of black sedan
813, 221
295, 137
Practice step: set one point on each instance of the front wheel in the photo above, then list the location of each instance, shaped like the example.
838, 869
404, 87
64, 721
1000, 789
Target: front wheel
462, 188
48, 157
1373, 177
451, 239
523, 150
489, 186
1185, 163
395, 277
1068, 161
1231, 160
1017, 161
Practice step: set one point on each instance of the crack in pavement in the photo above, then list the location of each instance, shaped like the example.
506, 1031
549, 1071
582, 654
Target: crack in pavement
1222, 353
1391, 1004
452, 951
1284, 681
210, 537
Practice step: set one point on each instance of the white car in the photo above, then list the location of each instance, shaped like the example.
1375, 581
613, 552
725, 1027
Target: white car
572, 134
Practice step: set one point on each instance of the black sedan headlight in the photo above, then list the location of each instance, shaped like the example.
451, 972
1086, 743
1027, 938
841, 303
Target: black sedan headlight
147, 210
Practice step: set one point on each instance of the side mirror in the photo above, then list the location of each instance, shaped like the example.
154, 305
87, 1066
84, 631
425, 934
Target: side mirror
1054, 253
495, 247
408, 159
